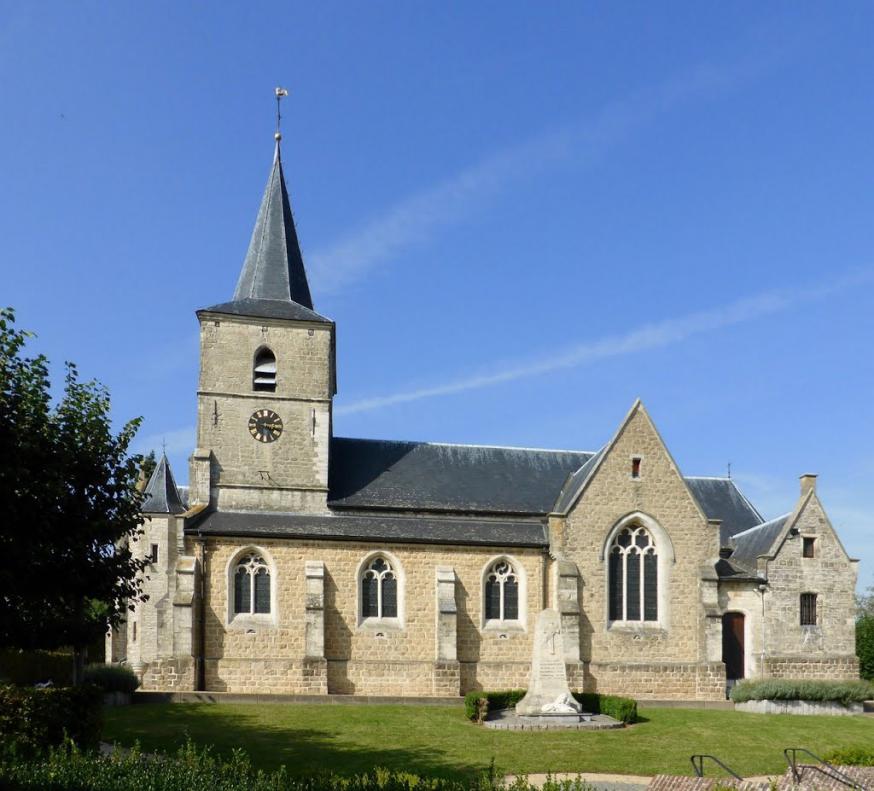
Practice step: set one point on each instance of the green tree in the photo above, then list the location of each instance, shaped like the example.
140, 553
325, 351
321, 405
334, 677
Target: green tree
69, 503
150, 461
865, 633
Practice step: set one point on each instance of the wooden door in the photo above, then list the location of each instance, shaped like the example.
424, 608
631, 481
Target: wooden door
733, 645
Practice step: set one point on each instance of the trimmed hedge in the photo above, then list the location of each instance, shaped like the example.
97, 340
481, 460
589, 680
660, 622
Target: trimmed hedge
34, 719
622, 709
865, 646
844, 692
112, 678
69, 769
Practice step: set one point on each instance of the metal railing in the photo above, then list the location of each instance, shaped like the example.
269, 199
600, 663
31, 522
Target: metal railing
698, 765
791, 754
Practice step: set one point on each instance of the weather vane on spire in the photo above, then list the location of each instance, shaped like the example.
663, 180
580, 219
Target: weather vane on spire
280, 93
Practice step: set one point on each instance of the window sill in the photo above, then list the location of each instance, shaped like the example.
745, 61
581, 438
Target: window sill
504, 627
244, 622
636, 627
374, 625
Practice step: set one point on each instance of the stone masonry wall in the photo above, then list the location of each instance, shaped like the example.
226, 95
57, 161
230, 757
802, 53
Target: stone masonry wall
289, 474
661, 494
260, 654
829, 574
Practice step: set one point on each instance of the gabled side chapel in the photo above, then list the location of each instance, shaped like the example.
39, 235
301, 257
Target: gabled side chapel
301, 562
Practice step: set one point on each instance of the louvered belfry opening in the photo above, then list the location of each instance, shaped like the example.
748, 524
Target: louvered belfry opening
264, 371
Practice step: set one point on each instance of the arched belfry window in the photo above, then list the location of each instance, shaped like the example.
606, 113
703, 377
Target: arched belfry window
633, 576
379, 589
502, 592
251, 586
264, 371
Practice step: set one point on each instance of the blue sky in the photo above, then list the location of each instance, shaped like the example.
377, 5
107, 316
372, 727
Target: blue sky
521, 217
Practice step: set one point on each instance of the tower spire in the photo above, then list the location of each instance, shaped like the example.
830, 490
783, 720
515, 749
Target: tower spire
273, 269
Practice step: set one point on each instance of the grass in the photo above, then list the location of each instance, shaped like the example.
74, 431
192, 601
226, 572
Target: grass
438, 740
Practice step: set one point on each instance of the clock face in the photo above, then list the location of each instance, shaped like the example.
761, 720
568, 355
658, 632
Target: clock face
265, 425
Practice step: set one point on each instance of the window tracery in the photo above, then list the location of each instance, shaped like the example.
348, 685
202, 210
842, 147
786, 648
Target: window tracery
502, 592
633, 576
251, 586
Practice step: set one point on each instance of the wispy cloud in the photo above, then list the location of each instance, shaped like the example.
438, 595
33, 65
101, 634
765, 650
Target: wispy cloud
415, 218
647, 336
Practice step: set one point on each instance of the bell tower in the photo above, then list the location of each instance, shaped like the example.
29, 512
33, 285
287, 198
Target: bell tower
267, 378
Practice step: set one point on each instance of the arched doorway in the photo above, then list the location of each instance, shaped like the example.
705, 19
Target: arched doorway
733, 649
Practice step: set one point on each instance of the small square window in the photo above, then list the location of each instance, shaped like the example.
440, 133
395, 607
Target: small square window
635, 467
153, 556
807, 547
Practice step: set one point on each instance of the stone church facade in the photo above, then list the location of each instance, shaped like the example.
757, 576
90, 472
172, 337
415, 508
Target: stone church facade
300, 562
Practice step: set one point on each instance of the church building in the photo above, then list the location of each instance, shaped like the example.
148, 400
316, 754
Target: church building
300, 562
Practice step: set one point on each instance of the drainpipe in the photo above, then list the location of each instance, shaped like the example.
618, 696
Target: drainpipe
762, 590
200, 659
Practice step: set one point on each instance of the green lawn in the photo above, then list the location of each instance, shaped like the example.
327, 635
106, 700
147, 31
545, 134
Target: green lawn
438, 740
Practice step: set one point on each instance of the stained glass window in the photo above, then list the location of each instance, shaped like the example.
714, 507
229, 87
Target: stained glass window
251, 586
502, 592
632, 576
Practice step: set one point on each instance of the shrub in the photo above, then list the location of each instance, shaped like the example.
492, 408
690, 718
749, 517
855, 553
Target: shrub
622, 709
190, 769
30, 667
844, 692
851, 756
865, 646
35, 719
112, 678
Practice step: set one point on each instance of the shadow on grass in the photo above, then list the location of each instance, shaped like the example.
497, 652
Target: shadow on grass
284, 739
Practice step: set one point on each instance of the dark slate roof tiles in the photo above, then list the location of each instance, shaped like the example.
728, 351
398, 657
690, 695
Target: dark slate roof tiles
352, 527
576, 481
424, 476
161, 495
759, 540
274, 268
268, 309
720, 498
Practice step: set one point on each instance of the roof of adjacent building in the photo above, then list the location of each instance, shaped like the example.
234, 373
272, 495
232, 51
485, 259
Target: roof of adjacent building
424, 476
161, 495
352, 527
750, 544
273, 281
720, 498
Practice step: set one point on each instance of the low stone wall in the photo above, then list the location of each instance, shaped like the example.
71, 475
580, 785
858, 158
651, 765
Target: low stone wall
680, 680
494, 675
297, 676
828, 707
837, 668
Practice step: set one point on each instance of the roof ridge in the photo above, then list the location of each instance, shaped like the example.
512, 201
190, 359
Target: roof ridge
467, 445
763, 524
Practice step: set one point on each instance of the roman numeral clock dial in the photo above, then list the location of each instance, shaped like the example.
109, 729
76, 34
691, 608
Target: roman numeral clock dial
265, 425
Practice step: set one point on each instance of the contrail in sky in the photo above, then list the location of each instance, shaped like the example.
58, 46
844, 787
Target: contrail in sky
647, 336
415, 218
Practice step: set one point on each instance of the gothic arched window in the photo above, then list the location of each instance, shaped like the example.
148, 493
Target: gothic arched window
502, 592
264, 371
633, 576
379, 589
251, 586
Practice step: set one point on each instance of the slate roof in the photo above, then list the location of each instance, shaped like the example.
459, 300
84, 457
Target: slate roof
161, 495
720, 498
273, 281
423, 476
576, 480
759, 540
351, 527
266, 308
